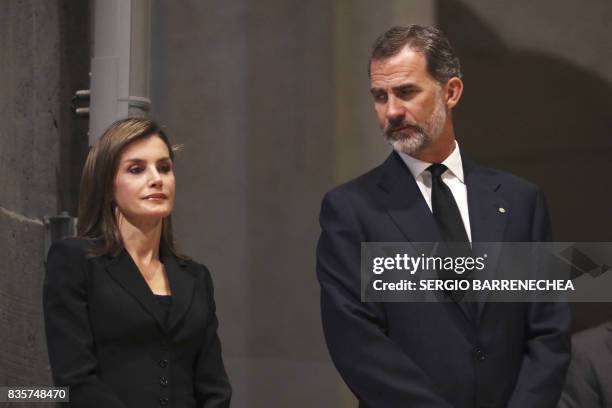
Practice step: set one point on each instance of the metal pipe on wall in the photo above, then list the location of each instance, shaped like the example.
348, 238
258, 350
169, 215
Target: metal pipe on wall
120, 62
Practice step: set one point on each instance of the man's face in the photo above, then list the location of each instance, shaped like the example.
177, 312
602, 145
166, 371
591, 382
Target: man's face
408, 102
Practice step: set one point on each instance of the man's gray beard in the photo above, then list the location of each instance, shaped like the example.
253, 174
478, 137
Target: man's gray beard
410, 141
414, 139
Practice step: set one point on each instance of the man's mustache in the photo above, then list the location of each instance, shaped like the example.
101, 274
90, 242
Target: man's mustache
404, 124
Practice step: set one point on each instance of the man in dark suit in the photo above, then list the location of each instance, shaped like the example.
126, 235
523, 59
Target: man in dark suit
433, 354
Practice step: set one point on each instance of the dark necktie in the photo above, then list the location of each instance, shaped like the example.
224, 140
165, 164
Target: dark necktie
444, 207
447, 216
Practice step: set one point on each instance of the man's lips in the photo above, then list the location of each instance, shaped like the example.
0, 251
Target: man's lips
398, 132
156, 196
402, 128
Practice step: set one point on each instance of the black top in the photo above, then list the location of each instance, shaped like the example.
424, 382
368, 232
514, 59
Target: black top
165, 301
118, 346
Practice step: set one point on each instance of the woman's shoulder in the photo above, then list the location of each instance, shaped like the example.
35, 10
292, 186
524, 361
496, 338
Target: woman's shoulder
67, 262
196, 267
73, 247
198, 270
201, 274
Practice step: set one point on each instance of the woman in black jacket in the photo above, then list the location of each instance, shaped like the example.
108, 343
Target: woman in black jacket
129, 321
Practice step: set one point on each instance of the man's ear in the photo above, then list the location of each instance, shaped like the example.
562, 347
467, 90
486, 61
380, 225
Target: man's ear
454, 89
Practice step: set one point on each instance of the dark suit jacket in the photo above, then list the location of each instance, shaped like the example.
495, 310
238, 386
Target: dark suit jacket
421, 355
108, 339
589, 378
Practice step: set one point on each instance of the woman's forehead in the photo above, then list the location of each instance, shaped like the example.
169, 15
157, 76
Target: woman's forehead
150, 148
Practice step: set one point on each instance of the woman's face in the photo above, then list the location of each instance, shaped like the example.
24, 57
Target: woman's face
144, 183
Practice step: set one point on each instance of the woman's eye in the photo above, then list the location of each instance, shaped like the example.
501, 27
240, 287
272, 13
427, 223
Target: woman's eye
165, 168
135, 170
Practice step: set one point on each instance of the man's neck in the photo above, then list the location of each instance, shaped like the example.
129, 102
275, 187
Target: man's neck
438, 151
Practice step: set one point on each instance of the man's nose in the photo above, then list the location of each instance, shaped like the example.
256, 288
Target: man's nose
395, 109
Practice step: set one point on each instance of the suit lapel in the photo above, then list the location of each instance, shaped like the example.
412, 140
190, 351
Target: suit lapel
125, 272
409, 211
405, 203
485, 205
487, 210
182, 284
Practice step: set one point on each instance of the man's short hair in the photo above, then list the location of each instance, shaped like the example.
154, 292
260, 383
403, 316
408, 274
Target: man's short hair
442, 63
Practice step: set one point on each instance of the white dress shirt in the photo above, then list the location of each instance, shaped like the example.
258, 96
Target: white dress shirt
453, 178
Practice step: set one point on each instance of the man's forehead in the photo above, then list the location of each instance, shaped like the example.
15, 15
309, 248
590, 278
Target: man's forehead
408, 64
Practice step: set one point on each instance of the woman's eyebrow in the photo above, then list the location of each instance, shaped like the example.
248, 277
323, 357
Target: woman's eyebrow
140, 161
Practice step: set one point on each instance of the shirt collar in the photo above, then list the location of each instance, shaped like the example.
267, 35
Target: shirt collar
453, 162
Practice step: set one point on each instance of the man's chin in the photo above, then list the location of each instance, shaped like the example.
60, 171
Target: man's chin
408, 145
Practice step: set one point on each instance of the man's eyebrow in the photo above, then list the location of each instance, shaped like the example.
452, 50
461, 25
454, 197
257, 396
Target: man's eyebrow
406, 87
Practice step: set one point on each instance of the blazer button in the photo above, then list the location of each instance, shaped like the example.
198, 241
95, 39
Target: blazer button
480, 355
163, 401
163, 363
163, 382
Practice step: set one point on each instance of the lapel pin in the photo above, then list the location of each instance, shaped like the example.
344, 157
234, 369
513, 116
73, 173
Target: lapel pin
501, 210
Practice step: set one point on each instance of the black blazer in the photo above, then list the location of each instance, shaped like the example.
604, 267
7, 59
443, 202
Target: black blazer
108, 339
421, 355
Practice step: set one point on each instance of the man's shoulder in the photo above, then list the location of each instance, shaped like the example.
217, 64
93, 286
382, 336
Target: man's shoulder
500, 179
497, 177
357, 186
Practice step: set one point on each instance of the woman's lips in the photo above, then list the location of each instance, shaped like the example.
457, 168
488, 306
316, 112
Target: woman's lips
156, 196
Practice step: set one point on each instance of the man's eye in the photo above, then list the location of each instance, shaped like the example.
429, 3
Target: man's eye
135, 170
405, 93
380, 98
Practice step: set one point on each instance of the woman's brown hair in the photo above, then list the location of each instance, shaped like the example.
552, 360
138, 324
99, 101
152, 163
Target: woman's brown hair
96, 200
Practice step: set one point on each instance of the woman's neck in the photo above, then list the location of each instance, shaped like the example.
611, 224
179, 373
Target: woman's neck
141, 239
